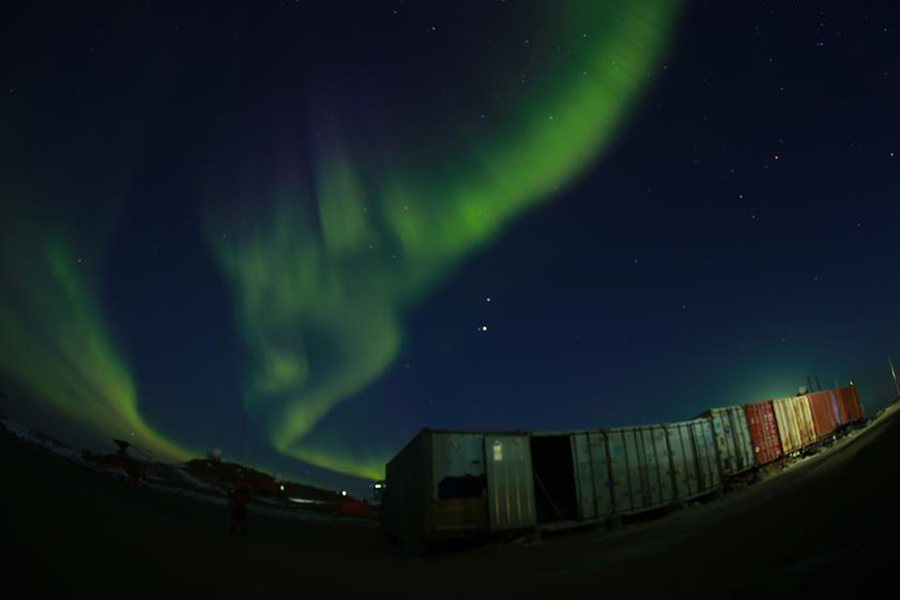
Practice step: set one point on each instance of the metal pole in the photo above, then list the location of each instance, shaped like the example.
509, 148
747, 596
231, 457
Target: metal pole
894, 376
818, 385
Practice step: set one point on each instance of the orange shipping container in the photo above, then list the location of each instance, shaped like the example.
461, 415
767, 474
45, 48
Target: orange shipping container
850, 402
824, 413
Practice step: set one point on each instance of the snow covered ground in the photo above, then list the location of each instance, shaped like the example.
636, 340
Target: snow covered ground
26, 433
180, 481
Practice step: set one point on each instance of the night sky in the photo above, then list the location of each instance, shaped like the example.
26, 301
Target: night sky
300, 233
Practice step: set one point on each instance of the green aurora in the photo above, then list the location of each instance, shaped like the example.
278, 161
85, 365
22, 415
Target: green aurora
54, 341
321, 293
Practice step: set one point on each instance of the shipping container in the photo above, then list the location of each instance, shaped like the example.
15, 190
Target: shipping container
510, 482
584, 476
592, 470
732, 438
824, 412
795, 423
850, 402
837, 407
572, 477
640, 468
694, 461
763, 432
450, 484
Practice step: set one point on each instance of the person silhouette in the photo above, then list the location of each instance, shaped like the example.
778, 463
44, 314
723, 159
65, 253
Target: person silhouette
238, 500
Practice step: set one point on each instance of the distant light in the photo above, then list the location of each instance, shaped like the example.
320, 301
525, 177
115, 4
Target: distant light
304, 501
343, 492
483, 328
282, 488
377, 486
488, 299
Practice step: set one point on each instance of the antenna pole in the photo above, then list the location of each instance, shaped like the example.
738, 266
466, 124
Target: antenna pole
894, 376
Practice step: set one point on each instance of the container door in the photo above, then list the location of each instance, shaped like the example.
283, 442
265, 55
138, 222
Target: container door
664, 464
724, 441
804, 420
601, 474
743, 445
651, 470
637, 473
704, 447
591, 475
620, 477
683, 466
788, 428
659, 474
510, 482
584, 477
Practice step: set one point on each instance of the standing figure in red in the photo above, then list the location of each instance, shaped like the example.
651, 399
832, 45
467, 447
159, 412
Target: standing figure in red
238, 500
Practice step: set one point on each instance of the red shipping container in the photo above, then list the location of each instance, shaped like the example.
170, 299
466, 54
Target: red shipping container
850, 401
822, 413
353, 508
837, 406
763, 432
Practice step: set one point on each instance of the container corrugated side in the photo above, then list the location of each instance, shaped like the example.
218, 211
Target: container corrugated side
510, 482
732, 437
795, 424
407, 493
694, 464
802, 409
788, 428
591, 462
837, 407
823, 413
850, 402
640, 468
763, 432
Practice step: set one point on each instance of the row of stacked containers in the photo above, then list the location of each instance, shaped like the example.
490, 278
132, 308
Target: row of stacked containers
450, 484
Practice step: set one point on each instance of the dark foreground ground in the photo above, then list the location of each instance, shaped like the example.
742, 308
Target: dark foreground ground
828, 528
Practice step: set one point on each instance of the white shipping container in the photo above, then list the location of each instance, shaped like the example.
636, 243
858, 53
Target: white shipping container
732, 436
695, 468
640, 468
592, 474
447, 484
510, 482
